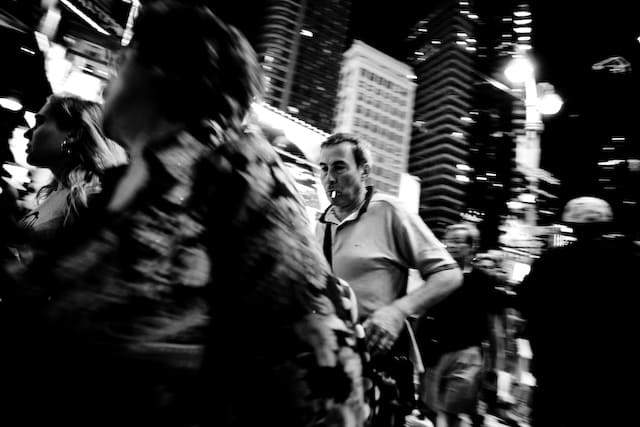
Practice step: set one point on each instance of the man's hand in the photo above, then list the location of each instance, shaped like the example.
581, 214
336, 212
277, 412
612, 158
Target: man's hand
383, 328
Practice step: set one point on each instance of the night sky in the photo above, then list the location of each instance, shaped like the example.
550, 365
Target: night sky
567, 42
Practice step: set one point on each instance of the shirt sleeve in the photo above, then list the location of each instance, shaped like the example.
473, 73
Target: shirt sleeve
417, 245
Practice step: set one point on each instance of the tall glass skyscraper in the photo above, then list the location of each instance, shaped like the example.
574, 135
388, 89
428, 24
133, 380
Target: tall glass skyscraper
463, 134
300, 46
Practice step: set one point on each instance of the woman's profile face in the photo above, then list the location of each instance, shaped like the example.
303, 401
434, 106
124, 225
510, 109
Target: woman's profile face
44, 148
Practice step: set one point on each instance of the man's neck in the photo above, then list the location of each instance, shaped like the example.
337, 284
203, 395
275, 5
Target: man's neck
343, 212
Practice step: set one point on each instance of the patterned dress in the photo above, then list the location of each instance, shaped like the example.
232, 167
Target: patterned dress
204, 302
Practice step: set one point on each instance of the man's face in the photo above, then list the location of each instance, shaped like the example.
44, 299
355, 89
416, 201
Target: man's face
486, 265
457, 242
340, 174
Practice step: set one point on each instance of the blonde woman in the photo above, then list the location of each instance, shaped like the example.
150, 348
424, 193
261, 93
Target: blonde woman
68, 140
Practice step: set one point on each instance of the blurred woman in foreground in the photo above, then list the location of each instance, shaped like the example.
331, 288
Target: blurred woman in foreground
193, 293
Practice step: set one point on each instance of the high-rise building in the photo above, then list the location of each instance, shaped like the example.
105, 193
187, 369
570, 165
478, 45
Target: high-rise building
300, 47
619, 182
462, 146
439, 148
375, 103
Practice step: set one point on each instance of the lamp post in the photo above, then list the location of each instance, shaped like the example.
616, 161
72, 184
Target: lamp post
539, 99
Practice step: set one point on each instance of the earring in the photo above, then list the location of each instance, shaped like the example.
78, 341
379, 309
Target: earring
66, 147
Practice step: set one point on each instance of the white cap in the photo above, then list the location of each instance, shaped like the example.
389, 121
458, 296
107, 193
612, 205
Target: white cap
587, 210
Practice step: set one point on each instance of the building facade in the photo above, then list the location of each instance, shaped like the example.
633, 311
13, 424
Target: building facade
465, 116
300, 46
375, 103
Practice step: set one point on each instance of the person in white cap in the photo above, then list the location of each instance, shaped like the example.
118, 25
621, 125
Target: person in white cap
574, 305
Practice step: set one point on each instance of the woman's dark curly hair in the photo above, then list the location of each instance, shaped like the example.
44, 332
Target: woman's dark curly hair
210, 70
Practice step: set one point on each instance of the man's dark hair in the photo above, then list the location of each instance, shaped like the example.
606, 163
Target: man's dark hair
210, 69
361, 152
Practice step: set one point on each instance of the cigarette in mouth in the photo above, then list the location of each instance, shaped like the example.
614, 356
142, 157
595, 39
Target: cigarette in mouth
333, 194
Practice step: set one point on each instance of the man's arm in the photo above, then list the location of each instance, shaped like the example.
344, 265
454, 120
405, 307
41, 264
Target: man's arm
384, 325
434, 289
417, 248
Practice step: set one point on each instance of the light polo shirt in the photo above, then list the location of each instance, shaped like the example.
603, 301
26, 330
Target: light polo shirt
374, 247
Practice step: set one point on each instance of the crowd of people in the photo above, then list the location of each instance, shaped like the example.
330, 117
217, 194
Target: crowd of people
168, 276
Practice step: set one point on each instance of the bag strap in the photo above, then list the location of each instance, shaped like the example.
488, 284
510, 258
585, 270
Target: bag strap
327, 245
414, 350
327, 242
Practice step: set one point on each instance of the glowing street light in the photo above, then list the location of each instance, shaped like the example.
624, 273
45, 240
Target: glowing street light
519, 70
550, 103
10, 103
539, 99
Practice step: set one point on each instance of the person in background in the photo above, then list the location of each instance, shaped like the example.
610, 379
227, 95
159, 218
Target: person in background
192, 292
490, 263
454, 333
372, 240
578, 303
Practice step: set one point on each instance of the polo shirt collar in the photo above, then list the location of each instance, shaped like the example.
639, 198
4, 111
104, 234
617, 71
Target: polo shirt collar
329, 216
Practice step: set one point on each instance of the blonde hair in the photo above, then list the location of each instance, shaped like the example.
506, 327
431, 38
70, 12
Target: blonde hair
89, 151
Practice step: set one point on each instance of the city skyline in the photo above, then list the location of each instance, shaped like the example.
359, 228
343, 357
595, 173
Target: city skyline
568, 39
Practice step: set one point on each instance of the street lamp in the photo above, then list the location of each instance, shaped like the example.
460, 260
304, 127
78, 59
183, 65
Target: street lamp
519, 70
10, 103
549, 104
538, 99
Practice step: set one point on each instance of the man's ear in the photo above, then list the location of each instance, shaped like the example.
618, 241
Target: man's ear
366, 170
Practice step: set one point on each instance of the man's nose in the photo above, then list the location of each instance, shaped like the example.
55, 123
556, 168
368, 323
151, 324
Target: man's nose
28, 133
